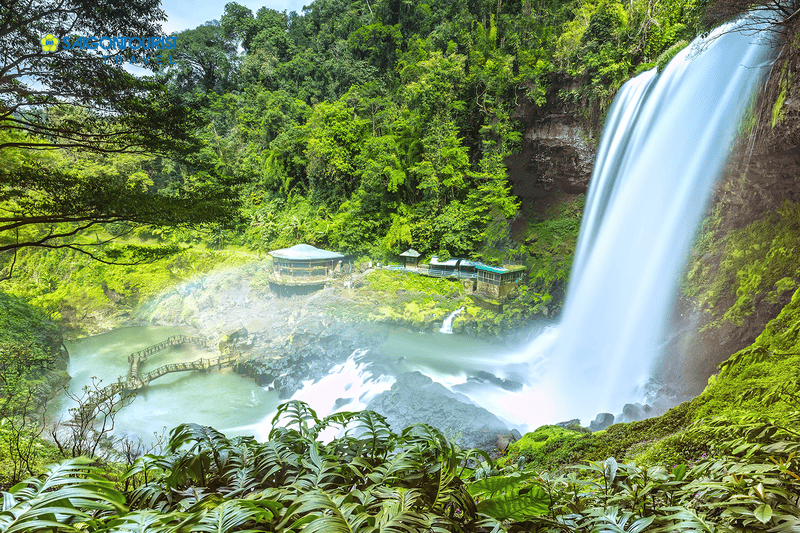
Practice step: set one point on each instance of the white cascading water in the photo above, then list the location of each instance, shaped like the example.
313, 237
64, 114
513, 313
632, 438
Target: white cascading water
447, 323
348, 387
665, 141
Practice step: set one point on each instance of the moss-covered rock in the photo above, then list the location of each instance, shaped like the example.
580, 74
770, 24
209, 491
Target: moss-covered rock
404, 298
534, 446
556, 448
746, 378
760, 262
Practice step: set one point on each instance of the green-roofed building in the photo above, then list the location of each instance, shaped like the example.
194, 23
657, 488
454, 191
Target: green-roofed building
498, 281
302, 268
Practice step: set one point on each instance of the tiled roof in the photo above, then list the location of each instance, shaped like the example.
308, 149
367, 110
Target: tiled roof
304, 252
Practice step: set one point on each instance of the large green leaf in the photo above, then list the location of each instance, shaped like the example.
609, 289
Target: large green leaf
683, 519
497, 484
405, 522
518, 507
330, 513
763, 513
231, 515
67, 491
295, 413
373, 433
610, 470
148, 521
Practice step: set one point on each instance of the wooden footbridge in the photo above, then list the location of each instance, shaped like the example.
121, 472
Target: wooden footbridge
136, 380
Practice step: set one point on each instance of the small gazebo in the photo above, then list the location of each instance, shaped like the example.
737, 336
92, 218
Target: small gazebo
303, 265
411, 257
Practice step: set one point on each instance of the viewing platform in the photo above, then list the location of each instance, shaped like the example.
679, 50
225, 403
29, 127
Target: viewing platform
302, 269
492, 281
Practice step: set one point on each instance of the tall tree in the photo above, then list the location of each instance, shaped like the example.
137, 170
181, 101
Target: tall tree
60, 91
39, 76
207, 59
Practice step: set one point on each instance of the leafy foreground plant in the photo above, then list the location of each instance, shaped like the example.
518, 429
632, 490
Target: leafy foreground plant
751, 482
367, 479
71, 493
370, 479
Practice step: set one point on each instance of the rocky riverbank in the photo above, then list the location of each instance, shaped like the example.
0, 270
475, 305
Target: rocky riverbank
291, 340
415, 398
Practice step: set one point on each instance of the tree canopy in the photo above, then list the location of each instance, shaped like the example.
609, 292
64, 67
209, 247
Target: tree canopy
121, 112
365, 127
66, 109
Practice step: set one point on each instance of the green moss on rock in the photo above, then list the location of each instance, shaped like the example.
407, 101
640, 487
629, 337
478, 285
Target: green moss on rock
770, 362
405, 298
760, 262
538, 445
556, 448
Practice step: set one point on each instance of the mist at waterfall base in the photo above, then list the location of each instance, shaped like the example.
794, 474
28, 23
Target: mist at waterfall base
235, 404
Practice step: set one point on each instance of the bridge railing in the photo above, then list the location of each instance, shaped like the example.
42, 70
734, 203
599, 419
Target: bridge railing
170, 341
137, 358
198, 364
135, 380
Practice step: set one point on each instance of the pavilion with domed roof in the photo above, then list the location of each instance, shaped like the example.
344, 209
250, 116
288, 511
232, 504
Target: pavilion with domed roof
303, 265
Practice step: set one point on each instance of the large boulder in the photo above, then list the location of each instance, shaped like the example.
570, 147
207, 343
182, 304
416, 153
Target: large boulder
415, 398
632, 412
567, 424
601, 422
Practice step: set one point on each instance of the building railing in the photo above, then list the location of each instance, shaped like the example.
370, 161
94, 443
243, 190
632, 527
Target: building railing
441, 273
299, 280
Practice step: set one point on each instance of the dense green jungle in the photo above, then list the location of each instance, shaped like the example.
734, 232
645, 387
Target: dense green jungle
461, 129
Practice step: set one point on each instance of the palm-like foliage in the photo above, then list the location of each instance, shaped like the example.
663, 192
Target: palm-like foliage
367, 479
70, 494
370, 479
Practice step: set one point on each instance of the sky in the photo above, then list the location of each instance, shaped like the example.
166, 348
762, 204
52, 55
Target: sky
184, 15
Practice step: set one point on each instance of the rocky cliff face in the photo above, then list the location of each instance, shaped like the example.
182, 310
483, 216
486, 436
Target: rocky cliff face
558, 151
763, 173
764, 167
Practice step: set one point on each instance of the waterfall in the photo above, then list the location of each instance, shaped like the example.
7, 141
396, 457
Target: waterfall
447, 325
665, 141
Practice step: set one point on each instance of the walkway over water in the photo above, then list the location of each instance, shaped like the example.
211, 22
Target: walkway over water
136, 379
137, 359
